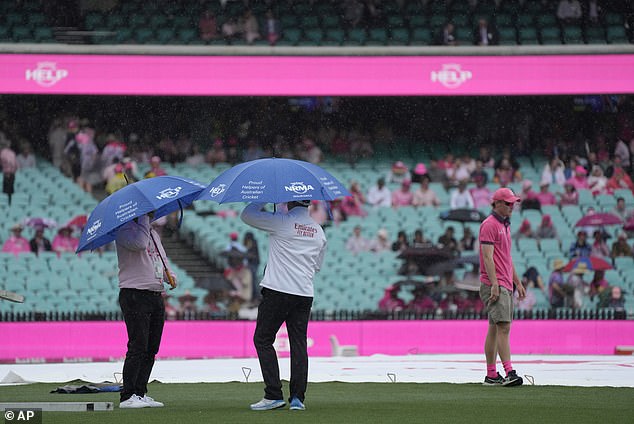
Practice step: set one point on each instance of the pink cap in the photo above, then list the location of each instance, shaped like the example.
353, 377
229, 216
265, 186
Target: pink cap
580, 170
233, 236
155, 159
420, 169
505, 194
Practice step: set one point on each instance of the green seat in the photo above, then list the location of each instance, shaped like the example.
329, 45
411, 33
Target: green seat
15, 19
399, 37
595, 35
94, 20
292, 35
525, 20
572, 35
615, 34
504, 20
550, 35
356, 36
331, 21
165, 35
114, 21
508, 36
137, 20
334, 36
158, 21
421, 36
395, 21
288, 21
43, 35
310, 21
187, 35
377, 37
4, 35
21, 33
36, 19
313, 35
181, 22
417, 21
143, 35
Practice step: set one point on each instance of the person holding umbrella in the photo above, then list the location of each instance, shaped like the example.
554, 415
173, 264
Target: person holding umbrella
497, 277
297, 245
142, 270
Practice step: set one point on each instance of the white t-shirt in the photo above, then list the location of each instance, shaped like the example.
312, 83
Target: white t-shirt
297, 245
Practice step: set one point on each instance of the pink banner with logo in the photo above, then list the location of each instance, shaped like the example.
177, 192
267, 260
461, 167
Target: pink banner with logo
315, 76
104, 341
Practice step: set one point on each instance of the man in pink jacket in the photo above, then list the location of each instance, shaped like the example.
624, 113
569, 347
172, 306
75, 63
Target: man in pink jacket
142, 270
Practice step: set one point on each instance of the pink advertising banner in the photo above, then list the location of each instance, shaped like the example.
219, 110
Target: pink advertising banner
315, 76
105, 341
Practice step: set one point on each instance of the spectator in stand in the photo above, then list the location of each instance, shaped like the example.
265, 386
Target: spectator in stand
447, 241
485, 34
402, 196
337, 214
545, 197
525, 304
615, 300
398, 173
16, 244
579, 180
577, 287
64, 241
216, 154
558, 291
468, 242
155, 168
546, 229
39, 243
622, 152
580, 247
353, 205
570, 196
381, 243
90, 174
420, 173
310, 152
553, 172
235, 244
253, 151
437, 174
619, 180
460, 197
621, 209
422, 301
425, 196
480, 193
379, 195
419, 241
401, 243
599, 246
241, 278
273, 29
532, 278
479, 175
390, 302
187, 303
505, 174
598, 284
114, 149
26, 158
117, 180
208, 26
597, 182
529, 196
56, 142
9, 165
524, 231
461, 170
620, 247
318, 212
356, 243
446, 36
569, 12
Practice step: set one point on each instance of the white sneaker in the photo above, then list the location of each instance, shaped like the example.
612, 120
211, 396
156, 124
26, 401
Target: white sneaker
153, 403
134, 402
266, 404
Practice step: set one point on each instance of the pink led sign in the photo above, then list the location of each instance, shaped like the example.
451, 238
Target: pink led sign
292, 76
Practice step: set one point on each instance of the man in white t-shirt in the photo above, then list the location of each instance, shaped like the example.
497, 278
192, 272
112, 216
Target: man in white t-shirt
296, 251
380, 195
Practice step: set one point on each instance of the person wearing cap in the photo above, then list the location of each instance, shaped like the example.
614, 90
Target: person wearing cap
381, 242
546, 229
155, 168
379, 195
39, 243
64, 241
620, 247
16, 244
570, 196
143, 267
579, 180
576, 286
356, 243
557, 289
544, 196
497, 278
390, 302
297, 245
398, 173
420, 171
402, 196
235, 244
580, 247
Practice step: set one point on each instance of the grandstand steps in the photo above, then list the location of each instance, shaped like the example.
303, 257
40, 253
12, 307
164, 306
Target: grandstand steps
183, 254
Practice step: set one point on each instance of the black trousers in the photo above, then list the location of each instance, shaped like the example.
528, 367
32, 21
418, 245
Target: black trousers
275, 309
144, 315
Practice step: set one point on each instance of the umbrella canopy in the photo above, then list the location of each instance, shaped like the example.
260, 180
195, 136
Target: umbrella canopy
592, 263
37, 222
163, 195
599, 219
463, 215
424, 258
273, 180
78, 221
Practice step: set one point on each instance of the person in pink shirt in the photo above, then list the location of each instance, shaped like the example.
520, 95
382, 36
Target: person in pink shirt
155, 168
64, 241
16, 244
579, 180
480, 193
544, 196
497, 277
570, 196
353, 205
390, 301
402, 196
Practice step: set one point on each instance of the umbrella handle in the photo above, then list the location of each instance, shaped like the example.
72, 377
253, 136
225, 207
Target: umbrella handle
170, 279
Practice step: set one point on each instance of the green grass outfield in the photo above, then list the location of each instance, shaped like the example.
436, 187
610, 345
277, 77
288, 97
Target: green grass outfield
365, 403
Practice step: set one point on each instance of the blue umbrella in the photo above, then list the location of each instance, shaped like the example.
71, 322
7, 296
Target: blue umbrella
164, 195
273, 180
